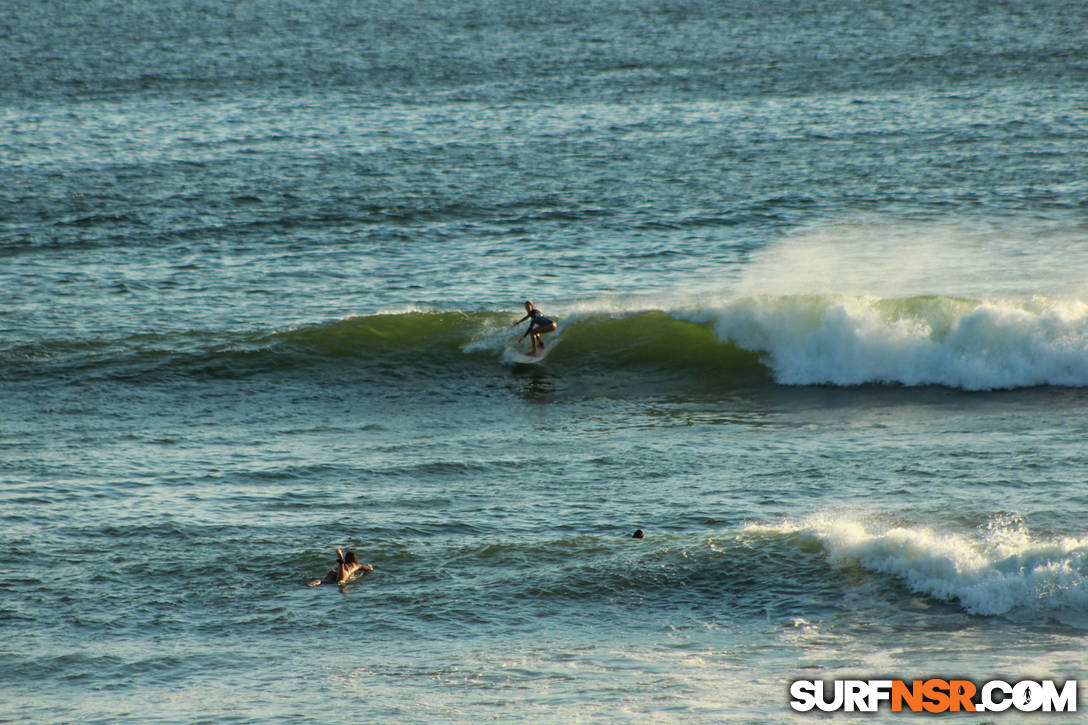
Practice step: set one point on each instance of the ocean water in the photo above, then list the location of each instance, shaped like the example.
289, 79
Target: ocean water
821, 276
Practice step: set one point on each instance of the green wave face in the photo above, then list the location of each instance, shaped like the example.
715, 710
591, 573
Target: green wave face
409, 334
637, 341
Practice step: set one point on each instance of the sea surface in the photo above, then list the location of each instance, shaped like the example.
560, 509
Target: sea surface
821, 277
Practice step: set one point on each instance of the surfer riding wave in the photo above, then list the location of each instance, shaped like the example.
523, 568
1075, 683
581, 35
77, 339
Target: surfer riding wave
538, 324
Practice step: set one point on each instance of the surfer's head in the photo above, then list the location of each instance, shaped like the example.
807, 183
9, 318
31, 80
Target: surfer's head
640, 534
349, 558
528, 305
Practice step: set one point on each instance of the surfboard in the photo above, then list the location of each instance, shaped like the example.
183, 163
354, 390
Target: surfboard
519, 357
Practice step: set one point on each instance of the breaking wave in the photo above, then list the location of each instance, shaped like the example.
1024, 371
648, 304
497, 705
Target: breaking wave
958, 343
999, 569
835, 340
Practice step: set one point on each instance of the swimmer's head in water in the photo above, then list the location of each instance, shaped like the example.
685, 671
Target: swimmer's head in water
640, 534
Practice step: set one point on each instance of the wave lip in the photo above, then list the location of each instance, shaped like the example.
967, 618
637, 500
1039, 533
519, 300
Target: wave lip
1001, 569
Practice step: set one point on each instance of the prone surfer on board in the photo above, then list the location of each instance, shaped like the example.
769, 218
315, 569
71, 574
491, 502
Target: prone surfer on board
538, 324
347, 568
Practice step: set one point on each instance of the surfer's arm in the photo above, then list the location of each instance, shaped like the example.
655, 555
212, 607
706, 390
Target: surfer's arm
523, 319
328, 579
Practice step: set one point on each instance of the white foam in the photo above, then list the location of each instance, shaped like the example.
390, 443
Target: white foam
492, 339
852, 340
998, 569
820, 302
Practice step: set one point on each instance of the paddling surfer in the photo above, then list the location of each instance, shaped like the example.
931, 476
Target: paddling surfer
347, 568
538, 324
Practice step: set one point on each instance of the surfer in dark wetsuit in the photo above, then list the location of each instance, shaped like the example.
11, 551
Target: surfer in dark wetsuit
538, 324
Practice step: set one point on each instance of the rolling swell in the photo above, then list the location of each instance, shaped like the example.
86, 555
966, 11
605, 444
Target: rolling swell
397, 345
834, 340
421, 341
585, 572
999, 570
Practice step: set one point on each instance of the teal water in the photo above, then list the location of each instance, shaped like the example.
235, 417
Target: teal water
823, 334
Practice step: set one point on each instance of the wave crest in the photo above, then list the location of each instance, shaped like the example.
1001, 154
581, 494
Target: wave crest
1000, 569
